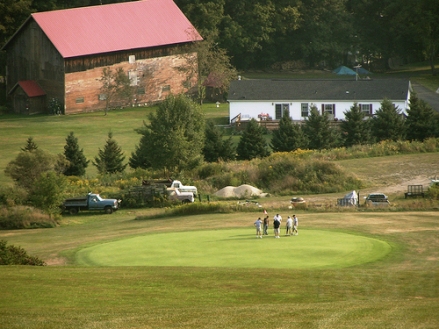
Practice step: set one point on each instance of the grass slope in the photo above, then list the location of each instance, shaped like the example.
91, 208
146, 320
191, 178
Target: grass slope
400, 290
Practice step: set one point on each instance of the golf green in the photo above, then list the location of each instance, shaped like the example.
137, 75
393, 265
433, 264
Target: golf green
237, 248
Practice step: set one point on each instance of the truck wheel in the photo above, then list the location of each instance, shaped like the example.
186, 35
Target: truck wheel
108, 210
74, 211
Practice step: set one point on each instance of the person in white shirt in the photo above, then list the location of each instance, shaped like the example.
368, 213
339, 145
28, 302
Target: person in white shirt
258, 225
295, 225
289, 226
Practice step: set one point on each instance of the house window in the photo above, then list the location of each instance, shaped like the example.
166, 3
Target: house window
280, 109
366, 108
141, 91
166, 88
79, 100
328, 109
305, 109
102, 97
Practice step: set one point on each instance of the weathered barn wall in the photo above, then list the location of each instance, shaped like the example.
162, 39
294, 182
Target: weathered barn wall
152, 80
31, 56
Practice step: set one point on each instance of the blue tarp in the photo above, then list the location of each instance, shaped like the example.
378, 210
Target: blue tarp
343, 70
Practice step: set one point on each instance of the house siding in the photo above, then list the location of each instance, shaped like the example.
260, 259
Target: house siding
249, 109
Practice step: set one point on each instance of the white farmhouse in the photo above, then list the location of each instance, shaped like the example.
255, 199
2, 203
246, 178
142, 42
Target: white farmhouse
266, 99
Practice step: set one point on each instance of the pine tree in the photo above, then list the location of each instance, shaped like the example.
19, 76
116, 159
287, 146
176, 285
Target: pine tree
30, 145
319, 132
110, 159
388, 123
215, 146
78, 162
252, 143
141, 155
289, 136
355, 128
422, 121
174, 137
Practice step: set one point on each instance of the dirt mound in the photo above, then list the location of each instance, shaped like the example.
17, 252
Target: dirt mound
238, 192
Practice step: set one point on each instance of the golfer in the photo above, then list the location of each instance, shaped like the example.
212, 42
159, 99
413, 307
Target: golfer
266, 223
295, 225
289, 226
276, 226
258, 225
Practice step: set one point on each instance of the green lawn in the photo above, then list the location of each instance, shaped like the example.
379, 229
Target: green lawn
237, 249
91, 129
396, 290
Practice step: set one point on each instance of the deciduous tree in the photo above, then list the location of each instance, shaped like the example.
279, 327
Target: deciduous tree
27, 167
48, 192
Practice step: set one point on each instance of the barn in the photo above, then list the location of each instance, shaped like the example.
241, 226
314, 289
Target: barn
60, 56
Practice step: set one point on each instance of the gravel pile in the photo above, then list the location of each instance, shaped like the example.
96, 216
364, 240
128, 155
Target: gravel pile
238, 192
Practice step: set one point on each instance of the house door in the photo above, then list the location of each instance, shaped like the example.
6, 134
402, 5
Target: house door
280, 109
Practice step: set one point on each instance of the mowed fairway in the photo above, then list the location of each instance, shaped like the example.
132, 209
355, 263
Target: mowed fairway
237, 248
373, 270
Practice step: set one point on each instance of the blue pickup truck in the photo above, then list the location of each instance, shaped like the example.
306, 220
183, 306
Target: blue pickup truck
91, 202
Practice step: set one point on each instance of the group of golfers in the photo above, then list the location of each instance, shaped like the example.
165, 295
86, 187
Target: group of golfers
290, 226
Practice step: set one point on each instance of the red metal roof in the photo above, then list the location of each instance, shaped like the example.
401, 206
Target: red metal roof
31, 88
122, 26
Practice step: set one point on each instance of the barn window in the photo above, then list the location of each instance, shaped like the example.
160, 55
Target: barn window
80, 100
280, 109
166, 88
305, 110
132, 59
132, 75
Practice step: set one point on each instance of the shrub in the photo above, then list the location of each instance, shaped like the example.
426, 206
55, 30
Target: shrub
11, 255
201, 208
21, 217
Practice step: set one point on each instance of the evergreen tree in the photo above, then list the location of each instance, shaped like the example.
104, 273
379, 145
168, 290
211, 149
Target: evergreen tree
289, 136
110, 159
355, 128
78, 162
141, 155
30, 145
174, 138
215, 146
319, 132
388, 123
422, 121
252, 143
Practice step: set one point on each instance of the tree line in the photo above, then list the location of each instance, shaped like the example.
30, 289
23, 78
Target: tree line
311, 33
